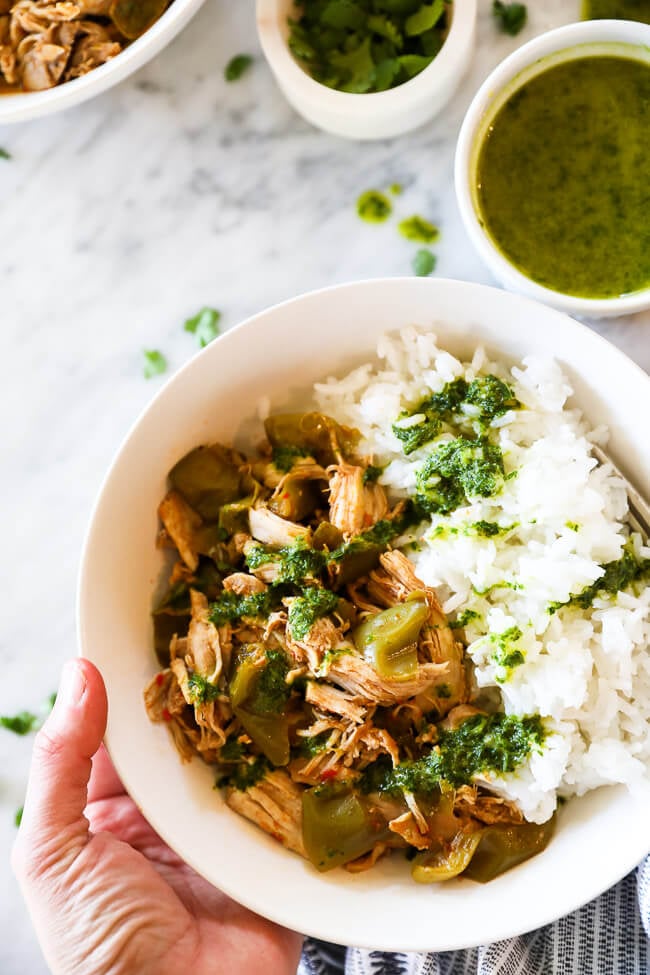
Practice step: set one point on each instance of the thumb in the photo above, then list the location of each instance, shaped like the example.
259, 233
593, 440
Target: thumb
54, 829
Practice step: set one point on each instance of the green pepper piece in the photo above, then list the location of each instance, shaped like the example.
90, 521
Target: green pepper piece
503, 847
388, 639
233, 517
336, 827
296, 499
133, 17
313, 433
207, 478
270, 732
356, 558
248, 665
448, 862
327, 536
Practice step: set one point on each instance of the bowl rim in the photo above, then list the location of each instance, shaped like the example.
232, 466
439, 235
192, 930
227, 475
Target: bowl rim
534, 52
23, 106
275, 911
357, 105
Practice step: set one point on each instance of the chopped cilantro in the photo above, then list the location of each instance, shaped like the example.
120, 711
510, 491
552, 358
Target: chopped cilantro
367, 45
510, 16
423, 263
285, 455
507, 656
307, 608
18, 817
229, 607
464, 618
154, 363
374, 207
314, 744
200, 689
232, 750
482, 743
271, 689
296, 562
4, 154
237, 67
457, 472
247, 774
616, 576
372, 473
396, 189
487, 529
205, 325
418, 229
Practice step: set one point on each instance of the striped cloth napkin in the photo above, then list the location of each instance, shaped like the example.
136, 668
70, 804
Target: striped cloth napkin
608, 936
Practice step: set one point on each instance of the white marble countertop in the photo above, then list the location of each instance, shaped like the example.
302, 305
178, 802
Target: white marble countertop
119, 220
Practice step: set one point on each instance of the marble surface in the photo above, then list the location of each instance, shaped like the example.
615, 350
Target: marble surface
121, 218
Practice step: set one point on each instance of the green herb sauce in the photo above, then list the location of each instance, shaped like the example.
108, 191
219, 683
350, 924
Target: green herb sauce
616, 576
374, 207
247, 774
271, 689
307, 608
372, 473
497, 743
562, 177
200, 689
285, 456
458, 471
616, 10
418, 229
229, 607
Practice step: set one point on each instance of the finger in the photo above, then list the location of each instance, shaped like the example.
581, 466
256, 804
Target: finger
54, 828
104, 782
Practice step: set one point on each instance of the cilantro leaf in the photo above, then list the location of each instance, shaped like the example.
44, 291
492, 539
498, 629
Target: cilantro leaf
423, 263
425, 18
237, 67
18, 817
154, 363
205, 325
21, 723
511, 16
4, 154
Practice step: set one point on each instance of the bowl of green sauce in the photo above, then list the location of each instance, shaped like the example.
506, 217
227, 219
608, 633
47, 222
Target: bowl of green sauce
358, 71
553, 169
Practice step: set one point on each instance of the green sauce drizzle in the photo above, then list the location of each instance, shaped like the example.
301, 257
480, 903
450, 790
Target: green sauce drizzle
458, 471
374, 207
616, 576
418, 229
307, 608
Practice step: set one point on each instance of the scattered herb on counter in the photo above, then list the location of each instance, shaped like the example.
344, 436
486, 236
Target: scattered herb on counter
154, 363
362, 46
374, 207
205, 325
21, 723
18, 817
511, 16
4, 154
423, 263
25, 721
237, 67
418, 229
396, 189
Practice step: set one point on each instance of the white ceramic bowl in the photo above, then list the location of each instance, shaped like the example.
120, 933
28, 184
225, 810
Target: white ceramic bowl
375, 115
595, 37
28, 105
280, 353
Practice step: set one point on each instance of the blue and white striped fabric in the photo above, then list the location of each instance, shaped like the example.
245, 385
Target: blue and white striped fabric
608, 936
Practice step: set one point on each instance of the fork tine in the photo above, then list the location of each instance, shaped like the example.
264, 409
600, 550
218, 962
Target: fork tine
639, 507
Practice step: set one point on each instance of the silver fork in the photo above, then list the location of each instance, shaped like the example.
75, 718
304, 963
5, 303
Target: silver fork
639, 508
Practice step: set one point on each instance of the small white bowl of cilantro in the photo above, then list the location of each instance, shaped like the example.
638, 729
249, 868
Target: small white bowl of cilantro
367, 69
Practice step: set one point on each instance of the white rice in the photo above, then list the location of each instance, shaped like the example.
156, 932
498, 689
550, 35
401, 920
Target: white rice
587, 672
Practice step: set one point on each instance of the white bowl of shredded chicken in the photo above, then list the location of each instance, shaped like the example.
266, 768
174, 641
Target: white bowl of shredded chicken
57, 54
486, 413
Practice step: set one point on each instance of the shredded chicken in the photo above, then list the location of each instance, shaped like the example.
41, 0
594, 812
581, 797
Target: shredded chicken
46, 42
487, 809
274, 804
354, 506
407, 827
204, 647
329, 698
242, 584
181, 524
356, 675
270, 529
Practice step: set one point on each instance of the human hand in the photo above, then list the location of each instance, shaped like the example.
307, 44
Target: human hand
105, 894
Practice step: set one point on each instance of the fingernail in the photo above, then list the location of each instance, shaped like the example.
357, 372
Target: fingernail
73, 684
